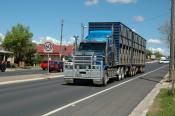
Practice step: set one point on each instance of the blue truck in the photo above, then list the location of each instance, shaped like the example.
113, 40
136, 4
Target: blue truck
110, 50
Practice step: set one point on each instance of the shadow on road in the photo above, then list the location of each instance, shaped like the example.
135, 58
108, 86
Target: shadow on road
152, 80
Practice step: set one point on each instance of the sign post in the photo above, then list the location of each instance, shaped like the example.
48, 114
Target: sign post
48, 48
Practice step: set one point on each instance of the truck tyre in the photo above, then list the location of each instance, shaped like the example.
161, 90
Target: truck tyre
119, 76
129, 72
105, 78
122, 74
133, 71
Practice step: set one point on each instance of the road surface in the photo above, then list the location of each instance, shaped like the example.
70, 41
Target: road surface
51, 96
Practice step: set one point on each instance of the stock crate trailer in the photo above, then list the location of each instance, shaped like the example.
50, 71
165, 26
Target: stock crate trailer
110, 50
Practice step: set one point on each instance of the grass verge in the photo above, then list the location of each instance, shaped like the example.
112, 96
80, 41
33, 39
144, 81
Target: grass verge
164, 104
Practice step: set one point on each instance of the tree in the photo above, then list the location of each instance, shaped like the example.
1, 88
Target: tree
30, 54
148, 53
19, 41
165, 29
158, 54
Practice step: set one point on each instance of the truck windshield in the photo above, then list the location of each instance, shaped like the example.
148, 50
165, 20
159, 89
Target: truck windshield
100, 47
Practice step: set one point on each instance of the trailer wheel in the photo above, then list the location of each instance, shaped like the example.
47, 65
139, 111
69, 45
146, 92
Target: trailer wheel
122, 74
129, 73
133, 71
119, 76
143, 69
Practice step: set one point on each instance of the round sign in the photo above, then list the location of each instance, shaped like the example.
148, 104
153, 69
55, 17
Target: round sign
48, 46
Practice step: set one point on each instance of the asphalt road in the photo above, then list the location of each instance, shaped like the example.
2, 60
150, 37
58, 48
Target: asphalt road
40, 97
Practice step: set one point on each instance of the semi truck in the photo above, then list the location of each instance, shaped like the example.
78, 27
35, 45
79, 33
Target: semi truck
110, 50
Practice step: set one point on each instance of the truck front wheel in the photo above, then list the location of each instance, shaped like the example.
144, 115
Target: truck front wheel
105, 80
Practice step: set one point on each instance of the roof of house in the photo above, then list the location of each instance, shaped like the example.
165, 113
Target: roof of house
66, 50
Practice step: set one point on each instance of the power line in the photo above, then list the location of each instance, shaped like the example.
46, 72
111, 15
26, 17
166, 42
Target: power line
150, 19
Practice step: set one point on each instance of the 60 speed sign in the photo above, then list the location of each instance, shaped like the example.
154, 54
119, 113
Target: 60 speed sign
48, 47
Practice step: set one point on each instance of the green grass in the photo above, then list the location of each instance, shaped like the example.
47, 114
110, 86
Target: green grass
164, 105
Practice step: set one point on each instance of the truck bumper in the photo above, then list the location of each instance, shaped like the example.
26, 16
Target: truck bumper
83, 74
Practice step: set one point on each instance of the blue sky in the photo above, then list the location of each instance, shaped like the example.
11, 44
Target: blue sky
44, 17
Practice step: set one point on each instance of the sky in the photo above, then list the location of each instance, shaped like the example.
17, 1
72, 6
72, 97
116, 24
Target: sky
43, 17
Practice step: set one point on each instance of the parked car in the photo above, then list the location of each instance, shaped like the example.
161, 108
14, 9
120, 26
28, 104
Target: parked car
44, 65
56, 66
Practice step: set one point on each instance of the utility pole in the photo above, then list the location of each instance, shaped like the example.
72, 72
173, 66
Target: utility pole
61, 37
172, 44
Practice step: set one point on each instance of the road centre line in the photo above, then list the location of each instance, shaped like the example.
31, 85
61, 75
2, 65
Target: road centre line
105, 90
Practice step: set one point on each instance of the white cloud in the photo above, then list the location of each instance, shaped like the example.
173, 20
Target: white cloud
139, 19
71, 40
91, 2
157, 50
121, 1
1, 37
154, 41
41, 40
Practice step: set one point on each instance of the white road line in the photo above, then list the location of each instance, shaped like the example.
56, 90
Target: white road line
88, 97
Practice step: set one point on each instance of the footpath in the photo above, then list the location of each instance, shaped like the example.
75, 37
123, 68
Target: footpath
26, 78
143, 107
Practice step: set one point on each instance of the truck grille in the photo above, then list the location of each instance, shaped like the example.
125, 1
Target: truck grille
82, 58
82, 62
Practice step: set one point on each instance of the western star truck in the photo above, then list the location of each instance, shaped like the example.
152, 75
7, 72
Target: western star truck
110, 50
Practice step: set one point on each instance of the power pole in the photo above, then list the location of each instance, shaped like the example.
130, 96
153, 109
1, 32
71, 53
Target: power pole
61, 37
172, 44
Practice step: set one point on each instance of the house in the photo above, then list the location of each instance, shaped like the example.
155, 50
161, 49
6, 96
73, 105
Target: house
67, 51
6, 55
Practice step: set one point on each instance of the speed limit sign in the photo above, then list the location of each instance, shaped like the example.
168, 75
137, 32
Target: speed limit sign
48, 47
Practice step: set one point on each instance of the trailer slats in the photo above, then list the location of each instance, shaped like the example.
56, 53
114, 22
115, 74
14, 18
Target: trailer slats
129, 46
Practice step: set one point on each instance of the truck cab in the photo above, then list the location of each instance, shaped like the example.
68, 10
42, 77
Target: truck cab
89, 60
